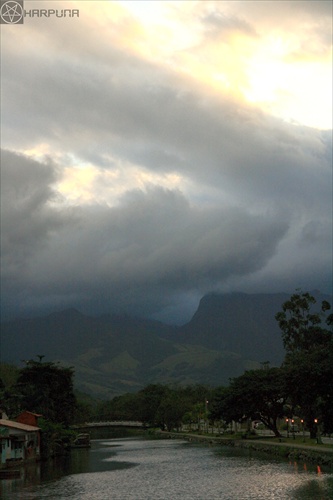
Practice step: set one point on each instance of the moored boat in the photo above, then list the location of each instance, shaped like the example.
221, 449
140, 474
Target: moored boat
81, 441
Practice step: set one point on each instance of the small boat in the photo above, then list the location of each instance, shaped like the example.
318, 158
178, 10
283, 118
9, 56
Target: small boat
81, 441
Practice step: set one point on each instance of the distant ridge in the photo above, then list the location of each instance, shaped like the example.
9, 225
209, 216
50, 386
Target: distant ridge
114, 354
239, 322
242, 323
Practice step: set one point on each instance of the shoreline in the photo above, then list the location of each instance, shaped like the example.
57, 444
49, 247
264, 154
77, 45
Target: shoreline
291, 451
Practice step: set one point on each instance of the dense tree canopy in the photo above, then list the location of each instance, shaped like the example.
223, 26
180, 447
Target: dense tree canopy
8, 398
302, 328
308, 365
160, 405
257, 395
47, 388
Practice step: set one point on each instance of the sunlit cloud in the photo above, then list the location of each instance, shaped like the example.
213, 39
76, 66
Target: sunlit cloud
89, 184
179, 146
299, 91
264, 69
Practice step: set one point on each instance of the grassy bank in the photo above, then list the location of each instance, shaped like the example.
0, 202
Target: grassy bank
306, 450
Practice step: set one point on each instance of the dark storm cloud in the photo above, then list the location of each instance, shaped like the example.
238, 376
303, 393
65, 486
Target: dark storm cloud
255, 207
152, 243
26, 217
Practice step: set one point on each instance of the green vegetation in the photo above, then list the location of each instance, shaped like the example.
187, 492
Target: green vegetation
256, 395
44, 388
114, 354
300, 390
308, 365
8, 378
160, 406
47, 388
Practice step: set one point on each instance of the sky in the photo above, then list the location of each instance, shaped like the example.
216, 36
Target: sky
156, 151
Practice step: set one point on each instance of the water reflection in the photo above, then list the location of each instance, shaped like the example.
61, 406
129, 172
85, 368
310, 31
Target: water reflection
314, 490
134, 469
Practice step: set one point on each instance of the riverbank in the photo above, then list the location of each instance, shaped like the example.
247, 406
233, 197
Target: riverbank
315, 454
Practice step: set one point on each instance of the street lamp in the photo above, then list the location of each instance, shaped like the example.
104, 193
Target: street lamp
287, 420
206, 415
302, 422
319, 441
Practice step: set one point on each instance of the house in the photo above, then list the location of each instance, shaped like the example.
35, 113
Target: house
29, 418
19, 442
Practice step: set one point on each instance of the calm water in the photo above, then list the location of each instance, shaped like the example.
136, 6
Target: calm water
136, 469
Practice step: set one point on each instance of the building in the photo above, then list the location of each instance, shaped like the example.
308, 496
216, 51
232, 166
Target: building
29, 418
19, 442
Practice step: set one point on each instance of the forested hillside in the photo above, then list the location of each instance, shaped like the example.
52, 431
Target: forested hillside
116, 354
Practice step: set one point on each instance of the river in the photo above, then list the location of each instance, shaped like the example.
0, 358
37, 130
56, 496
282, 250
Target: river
138, 469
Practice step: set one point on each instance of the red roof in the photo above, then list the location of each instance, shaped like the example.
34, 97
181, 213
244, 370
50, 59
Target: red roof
30, 413
17, 425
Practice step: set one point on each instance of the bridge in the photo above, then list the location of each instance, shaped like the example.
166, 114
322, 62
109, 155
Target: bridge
110, 424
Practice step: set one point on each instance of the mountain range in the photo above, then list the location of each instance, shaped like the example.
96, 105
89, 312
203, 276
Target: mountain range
114, 354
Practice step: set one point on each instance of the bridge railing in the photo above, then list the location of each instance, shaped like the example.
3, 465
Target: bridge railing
113, 423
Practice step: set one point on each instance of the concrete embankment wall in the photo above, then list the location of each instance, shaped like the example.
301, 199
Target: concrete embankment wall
320, 456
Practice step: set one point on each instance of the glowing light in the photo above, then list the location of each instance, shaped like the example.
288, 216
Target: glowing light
89, 184
268, 71
298, 91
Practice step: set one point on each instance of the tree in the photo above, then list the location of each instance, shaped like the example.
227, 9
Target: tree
257, 394
308, 365
149, 401
8, 374
47, 389
302, 329
218, 408
9, 399
124, 407
171, 411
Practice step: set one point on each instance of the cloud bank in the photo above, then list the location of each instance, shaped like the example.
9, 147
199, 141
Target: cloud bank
132, 182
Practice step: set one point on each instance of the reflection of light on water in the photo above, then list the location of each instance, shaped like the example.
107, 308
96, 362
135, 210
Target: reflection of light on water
305, 468
163, 470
